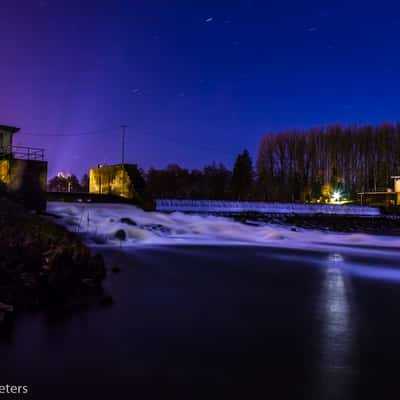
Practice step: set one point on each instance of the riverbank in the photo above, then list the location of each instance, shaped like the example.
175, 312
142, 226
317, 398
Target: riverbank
42, 264
375, 225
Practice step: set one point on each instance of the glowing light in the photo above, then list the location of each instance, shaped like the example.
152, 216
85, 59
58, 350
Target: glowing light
62, 174
336, 196
335, 257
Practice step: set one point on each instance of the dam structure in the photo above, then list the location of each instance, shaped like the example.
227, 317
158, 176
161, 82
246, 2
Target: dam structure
222, 206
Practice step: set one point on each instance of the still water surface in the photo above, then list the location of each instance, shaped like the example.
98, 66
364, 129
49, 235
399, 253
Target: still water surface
225, 322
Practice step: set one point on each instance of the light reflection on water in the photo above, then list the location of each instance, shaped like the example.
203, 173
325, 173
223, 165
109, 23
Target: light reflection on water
336, 330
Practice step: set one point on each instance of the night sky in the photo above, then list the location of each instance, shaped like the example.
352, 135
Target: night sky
195, 81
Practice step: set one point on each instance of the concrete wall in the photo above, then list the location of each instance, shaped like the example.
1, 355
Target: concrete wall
5, 138
123, 180
26, 181
111, 179
397, 185
5, 174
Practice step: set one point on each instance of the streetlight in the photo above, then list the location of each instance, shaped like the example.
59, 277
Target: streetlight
336, 196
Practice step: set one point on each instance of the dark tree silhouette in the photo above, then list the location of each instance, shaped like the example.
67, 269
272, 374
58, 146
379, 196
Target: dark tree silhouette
213, 182
73, 184
242, 177
216, 182
57, 184
85, 183
61, 183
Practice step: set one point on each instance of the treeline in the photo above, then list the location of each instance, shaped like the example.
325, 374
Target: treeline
213, 182
294, 165
298, 165
68, 183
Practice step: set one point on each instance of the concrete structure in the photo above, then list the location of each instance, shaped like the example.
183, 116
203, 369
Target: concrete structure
23, 171
6, 136
386, 198
397, 188
123, 180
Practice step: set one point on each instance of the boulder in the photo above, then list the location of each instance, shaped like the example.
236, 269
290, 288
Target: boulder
107, 300
97, 269
128, 221
6, 307
116, 269
120, 235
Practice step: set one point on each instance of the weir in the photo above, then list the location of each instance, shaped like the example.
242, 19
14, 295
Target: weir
215, 206
101, 223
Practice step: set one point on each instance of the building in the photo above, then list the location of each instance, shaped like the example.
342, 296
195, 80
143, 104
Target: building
6, 138
386, 198
23, 171
122, 180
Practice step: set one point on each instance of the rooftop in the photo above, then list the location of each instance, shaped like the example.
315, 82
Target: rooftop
7, 128
383, 193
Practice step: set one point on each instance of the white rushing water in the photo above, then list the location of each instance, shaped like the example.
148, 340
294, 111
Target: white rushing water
99, 223
262, 207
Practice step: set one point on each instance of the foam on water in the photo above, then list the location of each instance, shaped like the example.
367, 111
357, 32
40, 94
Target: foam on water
98, 223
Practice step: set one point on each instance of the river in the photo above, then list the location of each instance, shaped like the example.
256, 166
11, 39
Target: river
223, 322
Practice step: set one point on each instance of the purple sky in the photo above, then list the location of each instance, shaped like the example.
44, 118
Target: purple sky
195, 81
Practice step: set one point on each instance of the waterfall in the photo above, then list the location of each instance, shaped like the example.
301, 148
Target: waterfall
215, 206
101, 224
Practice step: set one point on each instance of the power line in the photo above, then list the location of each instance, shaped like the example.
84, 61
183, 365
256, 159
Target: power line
97, 132
114, 129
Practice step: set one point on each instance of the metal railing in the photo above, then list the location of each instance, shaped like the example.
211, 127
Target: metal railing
22, 152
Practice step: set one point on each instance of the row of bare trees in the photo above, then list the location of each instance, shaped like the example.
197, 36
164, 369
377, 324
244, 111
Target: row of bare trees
295, 165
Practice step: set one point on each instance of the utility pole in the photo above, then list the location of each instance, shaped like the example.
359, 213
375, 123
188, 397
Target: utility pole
123, 127
123, 143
